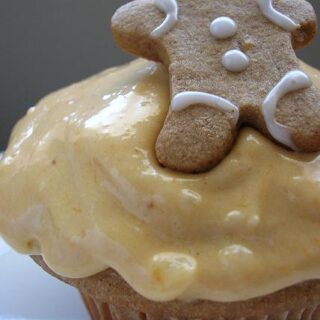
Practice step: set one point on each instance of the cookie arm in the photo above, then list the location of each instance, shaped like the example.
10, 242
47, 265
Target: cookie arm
132, 26
301, 12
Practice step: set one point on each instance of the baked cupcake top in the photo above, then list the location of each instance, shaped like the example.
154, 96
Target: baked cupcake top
80, 185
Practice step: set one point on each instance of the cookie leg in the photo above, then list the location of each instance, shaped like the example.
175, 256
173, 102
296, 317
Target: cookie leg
195, 139
299, 112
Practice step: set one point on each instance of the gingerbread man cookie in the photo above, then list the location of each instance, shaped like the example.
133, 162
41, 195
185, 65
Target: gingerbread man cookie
231, 63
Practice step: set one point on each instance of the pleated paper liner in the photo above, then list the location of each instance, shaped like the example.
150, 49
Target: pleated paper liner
105, 311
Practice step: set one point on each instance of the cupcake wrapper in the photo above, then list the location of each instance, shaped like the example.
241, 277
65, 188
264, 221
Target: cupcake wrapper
104, 311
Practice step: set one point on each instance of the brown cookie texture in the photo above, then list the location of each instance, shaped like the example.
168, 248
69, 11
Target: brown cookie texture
109, 287
200, 136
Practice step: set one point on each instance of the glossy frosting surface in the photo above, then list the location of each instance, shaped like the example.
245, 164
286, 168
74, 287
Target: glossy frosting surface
79, 183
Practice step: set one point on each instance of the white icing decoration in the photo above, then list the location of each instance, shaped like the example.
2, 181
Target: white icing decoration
185, 99
223, 28
170, 7
292, 81
235, 61
277, 17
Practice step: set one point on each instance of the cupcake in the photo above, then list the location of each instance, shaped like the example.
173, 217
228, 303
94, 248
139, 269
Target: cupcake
82, 191
140, 241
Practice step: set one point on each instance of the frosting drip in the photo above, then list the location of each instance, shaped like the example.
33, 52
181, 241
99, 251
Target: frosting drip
80, 184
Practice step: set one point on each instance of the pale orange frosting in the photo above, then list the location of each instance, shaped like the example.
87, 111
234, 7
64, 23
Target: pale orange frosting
79, 184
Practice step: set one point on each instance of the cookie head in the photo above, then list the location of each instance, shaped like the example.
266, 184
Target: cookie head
231, 63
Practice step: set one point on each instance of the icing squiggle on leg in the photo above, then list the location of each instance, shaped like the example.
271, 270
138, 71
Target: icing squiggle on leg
292, 81
170, 7
277, 17
186, 99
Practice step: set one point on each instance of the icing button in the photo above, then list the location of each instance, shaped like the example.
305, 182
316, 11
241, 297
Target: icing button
223, 28
235, 61
173, 271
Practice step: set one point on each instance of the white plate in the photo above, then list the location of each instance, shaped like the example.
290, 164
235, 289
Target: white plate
28, 293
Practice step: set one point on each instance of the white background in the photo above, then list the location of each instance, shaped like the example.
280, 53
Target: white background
29, 293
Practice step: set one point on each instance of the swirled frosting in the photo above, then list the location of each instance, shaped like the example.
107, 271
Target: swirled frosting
79, 184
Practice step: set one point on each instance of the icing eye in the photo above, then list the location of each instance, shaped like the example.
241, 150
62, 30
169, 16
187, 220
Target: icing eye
235, 61
223, 28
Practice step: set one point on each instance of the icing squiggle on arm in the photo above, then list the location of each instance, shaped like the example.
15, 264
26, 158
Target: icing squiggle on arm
292, 81
183, 100
170, 7
277, 17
